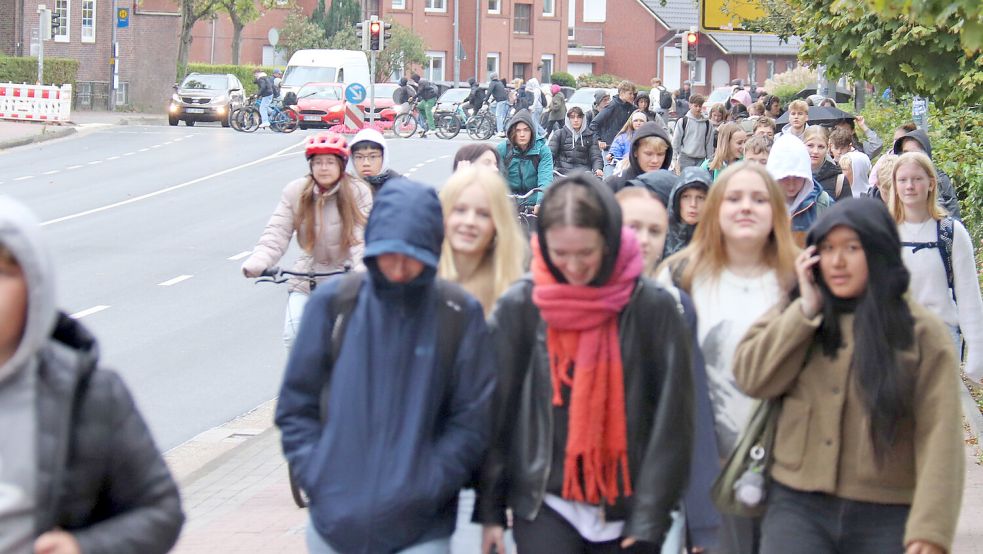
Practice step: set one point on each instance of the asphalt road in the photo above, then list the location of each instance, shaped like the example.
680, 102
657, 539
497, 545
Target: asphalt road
148, 226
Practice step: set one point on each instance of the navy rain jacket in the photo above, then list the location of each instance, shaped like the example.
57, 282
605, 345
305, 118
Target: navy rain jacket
402, 435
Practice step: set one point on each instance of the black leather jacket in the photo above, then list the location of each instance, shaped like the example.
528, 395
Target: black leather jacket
655, 347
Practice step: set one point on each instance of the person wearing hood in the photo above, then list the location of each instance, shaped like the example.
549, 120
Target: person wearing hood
686, 204
644, 104
856, 168
534, 102
79, 470
693, 138
527, 161
264, 86
805, 199
918, 141
650, 150
870, 423
370, 159
825, 171
592, 442
557, 109
408, 390
574, 147
601, 101
476, 96
500, 97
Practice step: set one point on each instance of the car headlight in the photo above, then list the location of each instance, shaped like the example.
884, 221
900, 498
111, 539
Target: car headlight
176, 98
174, 108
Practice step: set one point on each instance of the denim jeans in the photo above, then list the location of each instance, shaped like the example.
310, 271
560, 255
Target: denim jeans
317, 545
501, 111
264, 109
291, 323
817, 523
537, 115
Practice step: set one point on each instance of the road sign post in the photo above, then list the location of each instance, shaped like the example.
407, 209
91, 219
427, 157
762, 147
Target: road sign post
44, 27
372, 88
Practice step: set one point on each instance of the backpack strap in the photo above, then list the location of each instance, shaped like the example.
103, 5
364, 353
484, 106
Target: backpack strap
945, 228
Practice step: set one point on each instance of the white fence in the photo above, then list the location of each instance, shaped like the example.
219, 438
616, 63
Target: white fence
35, 102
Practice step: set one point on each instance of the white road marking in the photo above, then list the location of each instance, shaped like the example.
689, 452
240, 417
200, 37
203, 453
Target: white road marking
89, 311
156, 146
240, 255
52, 172
430, 161
74, 167
24, 177
94, 162
175, 280
446, 156
143, 150
129, 153
168, 189
418, 166
112, 158
169, 142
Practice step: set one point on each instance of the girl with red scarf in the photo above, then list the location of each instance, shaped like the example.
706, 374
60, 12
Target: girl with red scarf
594, 406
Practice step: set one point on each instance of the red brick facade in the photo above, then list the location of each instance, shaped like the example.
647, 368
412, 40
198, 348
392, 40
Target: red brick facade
212, 42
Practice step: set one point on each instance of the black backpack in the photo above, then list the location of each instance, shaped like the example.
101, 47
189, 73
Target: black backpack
399, 95
428, 90
665, 99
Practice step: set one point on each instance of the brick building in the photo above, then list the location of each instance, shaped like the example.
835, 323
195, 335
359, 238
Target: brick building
147, 48
212, 38
638, 41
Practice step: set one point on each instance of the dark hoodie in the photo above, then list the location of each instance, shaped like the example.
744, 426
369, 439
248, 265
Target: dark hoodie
947, 193
526, 169
573, 151
660, 182
680, 232
384, 473
609, 121
827, 175
650, 129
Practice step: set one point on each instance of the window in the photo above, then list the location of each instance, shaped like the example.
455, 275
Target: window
434, 70
771, 68
790, 65
699, 71
63, 8
595, 11
519, 70
547, 68
88, 21
549, 8
494, 6
274, 56
492, 62
571, 18
435, 6
399, 4
523, 19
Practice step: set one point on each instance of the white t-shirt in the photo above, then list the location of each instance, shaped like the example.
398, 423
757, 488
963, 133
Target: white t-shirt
929, 286
726, 307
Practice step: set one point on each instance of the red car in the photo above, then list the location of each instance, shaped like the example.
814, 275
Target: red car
323, 104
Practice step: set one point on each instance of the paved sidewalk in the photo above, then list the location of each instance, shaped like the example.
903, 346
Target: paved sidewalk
20, 133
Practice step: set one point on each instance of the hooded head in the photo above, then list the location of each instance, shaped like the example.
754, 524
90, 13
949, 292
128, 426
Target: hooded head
599, 95
693, 177
650, 141
407, 220
883, 323
493, 77
643, 96
789, 157
742, 96
368, 142
521, 116
920, 137
403, 81
661, 183
582, 201
533, 85
27, 320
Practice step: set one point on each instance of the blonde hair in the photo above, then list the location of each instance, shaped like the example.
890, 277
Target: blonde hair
920, 159
816, 131
659, 143
885, 176
311, 205
507, 252
845, 161
706, 254
722, 156
799, 106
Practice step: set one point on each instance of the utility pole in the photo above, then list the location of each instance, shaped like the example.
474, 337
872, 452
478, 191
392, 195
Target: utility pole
372, 58
44, 24
457, 43
114, 60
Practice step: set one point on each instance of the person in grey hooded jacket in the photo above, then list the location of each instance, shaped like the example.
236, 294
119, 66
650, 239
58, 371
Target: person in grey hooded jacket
680, 230
79, 471
918, 141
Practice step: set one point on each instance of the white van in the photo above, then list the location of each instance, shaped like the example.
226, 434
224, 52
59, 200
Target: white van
325, 66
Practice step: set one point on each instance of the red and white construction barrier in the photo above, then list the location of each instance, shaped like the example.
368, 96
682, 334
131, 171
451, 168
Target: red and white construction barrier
354, 116
35, 102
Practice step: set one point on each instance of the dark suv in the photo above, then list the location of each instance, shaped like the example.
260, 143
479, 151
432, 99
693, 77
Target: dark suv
205, 97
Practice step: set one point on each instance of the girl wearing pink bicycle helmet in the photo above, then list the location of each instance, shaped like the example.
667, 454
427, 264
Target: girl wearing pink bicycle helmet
327, 209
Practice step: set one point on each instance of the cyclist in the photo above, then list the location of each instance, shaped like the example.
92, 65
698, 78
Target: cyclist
527, 161
370, 159
328, 209
265, 94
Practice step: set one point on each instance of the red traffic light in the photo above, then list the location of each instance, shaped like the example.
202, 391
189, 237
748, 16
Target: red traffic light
375, 26
691, 38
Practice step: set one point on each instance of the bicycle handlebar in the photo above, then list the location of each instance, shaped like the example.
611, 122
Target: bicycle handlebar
527, 195
276, 275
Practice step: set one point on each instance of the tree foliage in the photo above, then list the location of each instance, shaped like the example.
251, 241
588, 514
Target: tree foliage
191, 12
403, 50
341, 15
299, 32
897, 51
938, 12
241, 12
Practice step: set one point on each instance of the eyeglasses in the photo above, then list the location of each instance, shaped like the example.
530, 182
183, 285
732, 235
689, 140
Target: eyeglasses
370, 158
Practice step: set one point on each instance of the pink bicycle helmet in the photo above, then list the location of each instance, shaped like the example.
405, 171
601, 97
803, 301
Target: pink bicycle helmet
328, 143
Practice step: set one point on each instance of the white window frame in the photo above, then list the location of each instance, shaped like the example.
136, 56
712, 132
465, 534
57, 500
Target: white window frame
435, 6
594, 7
700, 77
771, 68
64, 32
497, 56
92, 27
498, 7
399, 4
428, 72
548, 58
551, 4
571, 19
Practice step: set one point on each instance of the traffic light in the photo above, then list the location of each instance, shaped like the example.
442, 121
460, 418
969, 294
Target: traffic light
386, 35
691, 41
361, 29
55, 22
375, 35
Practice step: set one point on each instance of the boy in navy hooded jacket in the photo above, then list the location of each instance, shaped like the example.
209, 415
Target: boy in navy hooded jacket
402, 435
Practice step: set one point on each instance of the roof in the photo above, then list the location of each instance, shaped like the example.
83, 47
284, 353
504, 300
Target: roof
683, 14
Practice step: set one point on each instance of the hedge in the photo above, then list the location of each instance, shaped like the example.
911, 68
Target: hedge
243, 72
563, 79
57, 71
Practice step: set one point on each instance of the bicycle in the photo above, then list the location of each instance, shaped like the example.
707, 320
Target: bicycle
278, 276
245, 119
283, 119
448, 124
481, 126
525, 207
406, 124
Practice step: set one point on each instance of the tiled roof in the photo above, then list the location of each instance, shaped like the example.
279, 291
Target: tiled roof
683, 14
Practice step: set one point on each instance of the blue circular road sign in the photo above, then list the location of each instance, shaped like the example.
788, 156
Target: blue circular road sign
355, 93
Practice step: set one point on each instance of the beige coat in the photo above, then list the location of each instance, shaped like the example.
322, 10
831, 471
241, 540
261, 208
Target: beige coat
327, 254
822, 442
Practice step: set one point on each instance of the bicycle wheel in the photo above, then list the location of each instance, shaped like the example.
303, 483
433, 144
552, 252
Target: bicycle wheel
251, 119
448, 126
293, 120
481, 127
404, 125
234, 119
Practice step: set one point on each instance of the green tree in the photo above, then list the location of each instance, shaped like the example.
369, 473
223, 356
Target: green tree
898, 51
299, 32
343, 14
240, 12
403, 50
934, 12
345, 39
191, 12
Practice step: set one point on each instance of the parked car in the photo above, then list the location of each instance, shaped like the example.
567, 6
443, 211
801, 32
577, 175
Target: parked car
584, 97
719, 95
383, 101
205, 97
321, 104
449, 100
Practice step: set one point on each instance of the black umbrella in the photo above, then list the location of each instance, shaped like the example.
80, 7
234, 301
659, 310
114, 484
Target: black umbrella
841, 95
819, 115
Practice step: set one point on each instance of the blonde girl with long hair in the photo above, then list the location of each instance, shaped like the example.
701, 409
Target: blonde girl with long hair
938, 252
327, 210
730, 148
484, 249
740, 263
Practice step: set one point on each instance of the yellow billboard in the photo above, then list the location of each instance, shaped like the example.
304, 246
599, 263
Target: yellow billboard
721, 16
